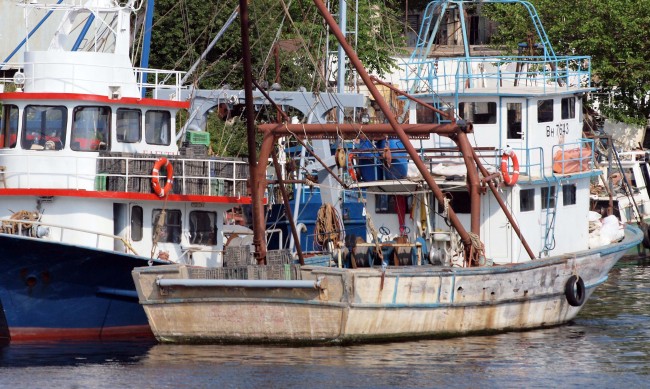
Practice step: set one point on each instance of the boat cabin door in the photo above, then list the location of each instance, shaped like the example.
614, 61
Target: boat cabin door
513, 127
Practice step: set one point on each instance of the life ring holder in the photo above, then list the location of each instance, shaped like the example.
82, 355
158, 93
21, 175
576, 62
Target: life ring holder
155, 179
351, 171
507, 178
574, 291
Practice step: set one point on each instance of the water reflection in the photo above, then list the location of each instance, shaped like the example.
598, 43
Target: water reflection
608, 345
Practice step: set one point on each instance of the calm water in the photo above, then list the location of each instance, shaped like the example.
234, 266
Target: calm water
608, 346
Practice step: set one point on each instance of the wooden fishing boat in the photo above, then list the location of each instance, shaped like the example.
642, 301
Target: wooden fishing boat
502, 243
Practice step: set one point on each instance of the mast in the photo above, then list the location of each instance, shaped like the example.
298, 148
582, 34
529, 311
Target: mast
256, 189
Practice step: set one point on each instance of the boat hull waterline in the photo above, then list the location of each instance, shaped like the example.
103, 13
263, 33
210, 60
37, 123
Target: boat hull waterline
54, 291
363, 305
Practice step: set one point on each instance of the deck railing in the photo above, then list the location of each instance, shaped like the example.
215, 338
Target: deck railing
460, 75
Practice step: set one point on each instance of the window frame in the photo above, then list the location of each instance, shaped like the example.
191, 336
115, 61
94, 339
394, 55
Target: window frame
6, 132
193, 230
148, 135
528, 204
543, 111
569, 191
569, 109
99, 140
129, 129
169, 228
546, 195
469, 109
42, 137
137, 225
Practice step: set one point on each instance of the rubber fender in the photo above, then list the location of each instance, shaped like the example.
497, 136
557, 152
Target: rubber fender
575, 291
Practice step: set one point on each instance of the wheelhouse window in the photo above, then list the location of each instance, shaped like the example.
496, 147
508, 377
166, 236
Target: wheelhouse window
90, 128
203, 228
568, 108
569, 194
44, 127
514, 120
548, 197
478, 113
545, 111
136, 223
169, 231
8, 126
128, 125
527, 200
157, 128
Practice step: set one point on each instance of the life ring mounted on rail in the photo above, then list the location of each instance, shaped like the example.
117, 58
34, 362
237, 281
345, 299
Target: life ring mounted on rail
155, 180
507, 179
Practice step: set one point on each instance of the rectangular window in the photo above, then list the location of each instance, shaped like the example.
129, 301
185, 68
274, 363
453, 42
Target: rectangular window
545, 111
90, 128
8, 126
392, 203
157, 128
527, 200
170, 229
514, 120
203, 228
568, 108
478, 113
44, 127
136, 223
569, 194
458, 201
128, 126
424, 115
548, 197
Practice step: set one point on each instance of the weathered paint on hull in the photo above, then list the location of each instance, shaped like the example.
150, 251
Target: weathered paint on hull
353, 306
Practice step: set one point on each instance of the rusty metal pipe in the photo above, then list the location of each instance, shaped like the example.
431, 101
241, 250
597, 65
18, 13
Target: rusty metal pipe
354, 60
473, 183
256, 193
287, 209
503, 206
353, 129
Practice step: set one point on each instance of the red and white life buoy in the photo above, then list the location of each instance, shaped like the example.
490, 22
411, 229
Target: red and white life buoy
351, 171
507, 179
155, 180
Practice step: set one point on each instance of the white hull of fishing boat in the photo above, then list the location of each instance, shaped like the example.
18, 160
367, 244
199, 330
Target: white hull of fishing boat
347, 305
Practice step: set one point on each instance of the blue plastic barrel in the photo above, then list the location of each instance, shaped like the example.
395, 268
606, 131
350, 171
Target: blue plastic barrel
368, 163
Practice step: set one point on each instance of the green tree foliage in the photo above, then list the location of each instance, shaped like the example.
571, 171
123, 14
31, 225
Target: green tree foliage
612, 32
183, 29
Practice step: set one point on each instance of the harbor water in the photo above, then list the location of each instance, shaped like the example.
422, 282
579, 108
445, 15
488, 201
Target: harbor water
606, 346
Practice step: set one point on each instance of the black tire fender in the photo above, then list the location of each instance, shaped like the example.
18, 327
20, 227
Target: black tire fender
574, 291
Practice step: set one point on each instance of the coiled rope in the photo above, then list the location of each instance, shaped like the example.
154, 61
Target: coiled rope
328, 226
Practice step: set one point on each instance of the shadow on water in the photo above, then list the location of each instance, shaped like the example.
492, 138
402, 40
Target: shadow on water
607, 345
72, 353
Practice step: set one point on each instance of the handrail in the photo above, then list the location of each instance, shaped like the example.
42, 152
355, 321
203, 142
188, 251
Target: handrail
82, 172
8, 222
460, 74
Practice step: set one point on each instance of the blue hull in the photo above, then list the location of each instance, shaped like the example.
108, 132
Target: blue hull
55, 291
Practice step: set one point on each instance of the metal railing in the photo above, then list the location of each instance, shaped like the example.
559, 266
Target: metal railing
439, 75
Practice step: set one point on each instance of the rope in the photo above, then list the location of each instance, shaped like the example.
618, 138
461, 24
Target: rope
328, 225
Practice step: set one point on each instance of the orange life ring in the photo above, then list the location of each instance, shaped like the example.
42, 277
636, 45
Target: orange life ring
162, 162
507, 179
351, 171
